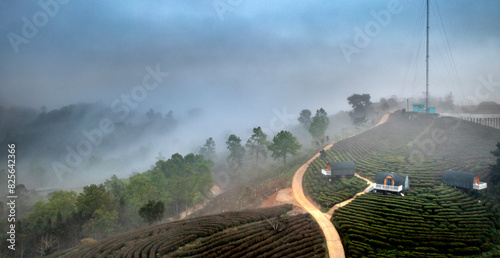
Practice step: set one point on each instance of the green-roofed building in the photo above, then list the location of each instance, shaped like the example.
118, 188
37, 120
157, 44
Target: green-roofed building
339, 169
462, 179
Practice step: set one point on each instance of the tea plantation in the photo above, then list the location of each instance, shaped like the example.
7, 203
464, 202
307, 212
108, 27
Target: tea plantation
431, 220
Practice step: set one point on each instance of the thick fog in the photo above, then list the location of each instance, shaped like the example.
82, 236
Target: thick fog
213, 68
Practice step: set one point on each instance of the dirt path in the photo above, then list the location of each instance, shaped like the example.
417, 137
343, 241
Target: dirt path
284, 196
366, 179
333, 242
383, 119
216, 190
344, 203
334, 245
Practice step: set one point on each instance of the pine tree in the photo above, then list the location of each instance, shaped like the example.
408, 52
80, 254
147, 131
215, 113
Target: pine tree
257, 144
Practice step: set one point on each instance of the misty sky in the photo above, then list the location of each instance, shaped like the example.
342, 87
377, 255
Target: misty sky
244, 62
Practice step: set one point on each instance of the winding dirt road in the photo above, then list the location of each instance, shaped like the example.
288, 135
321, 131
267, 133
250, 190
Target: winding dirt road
335, 248
333, 242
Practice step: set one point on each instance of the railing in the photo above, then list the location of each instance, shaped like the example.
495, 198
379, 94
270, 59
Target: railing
491, 120
479, 186
388, 188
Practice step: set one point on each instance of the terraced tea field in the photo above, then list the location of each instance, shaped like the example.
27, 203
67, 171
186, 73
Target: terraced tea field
326, 193
432, 220
250, 233
425, 223
422, 147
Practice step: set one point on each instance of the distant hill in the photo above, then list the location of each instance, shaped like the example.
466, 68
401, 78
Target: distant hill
75, 132
488, 108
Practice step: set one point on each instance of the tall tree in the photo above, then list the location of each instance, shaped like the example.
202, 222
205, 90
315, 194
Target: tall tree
115, 186
237, 151
360, 104
284, 143
359, 100
257, 144
152, 211
448, 102
102, 224
92, 199
383, 104
60, 202
208, 150
305, 118
319, 124
146, 186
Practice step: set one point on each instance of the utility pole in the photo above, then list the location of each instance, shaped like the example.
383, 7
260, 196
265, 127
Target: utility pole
427, 64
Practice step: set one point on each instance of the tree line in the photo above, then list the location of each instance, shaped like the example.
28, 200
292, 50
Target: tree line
116, 206
282, 146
